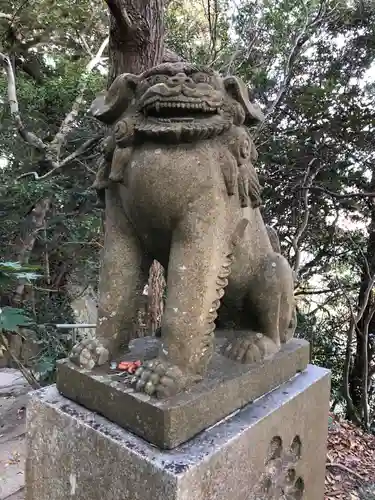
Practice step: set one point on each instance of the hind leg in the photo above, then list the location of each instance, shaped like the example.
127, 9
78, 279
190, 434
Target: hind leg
270, 296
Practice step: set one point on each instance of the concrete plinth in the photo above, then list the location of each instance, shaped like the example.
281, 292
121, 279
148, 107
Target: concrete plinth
273, 448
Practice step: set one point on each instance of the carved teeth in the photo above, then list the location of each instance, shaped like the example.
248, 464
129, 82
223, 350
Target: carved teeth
201, 106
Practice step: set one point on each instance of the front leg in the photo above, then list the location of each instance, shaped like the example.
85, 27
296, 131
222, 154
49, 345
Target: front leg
122, 275
197, 274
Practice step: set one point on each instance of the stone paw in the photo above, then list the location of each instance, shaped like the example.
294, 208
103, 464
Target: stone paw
89, 353
159, 378
250, 348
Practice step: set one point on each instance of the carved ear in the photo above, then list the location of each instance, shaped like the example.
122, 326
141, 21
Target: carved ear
238, 91
112, 103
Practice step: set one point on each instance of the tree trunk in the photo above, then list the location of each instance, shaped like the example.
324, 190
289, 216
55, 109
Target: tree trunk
34, 224
156, 287
136, 36
137, 43
363, 360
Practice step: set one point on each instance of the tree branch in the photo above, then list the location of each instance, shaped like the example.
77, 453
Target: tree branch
51, 152
365, 380
82, 37
86, 146
298, 44
340, 196
28, 374
308, 180
344, 468
317, 292
355, 319
27, 136
70, 118
212, 15
119, 13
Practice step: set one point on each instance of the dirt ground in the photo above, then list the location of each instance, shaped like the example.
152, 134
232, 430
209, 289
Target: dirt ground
13, 400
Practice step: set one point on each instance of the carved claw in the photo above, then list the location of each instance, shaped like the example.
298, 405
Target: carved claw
159, 378
250, 348
89, 353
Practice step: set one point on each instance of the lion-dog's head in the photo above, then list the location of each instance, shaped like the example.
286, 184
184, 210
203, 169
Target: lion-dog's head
176, 102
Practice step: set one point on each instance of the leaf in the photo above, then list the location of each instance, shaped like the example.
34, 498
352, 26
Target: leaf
17, 266
45, 366
9, 266
11, 318
18, 271
28, 276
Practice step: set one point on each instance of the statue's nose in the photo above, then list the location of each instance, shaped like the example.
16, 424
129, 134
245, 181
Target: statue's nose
180, 78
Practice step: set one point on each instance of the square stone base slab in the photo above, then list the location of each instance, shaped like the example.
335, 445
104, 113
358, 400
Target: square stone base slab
276, 444
167, 423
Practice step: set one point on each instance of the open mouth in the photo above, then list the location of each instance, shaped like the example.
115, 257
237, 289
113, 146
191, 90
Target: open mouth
179, 110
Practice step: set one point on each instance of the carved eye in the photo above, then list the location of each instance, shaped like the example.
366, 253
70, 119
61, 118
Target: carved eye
142, 87
201, 78
159, 79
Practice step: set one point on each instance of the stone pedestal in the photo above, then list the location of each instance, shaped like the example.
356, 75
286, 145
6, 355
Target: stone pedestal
226, 387
274, 448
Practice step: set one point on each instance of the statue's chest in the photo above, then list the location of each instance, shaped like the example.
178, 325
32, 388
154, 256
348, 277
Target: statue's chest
164, 180
172, 169
173, 163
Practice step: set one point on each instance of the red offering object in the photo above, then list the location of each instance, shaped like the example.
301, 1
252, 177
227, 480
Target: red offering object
129, 366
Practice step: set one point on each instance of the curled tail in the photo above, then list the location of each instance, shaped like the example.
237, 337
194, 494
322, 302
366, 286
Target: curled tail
275, 243
274, 239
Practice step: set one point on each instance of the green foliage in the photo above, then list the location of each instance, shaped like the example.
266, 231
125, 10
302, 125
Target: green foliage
15, 270
55, 25
52, 345
45, 105
54, 44
11, 318
198, 31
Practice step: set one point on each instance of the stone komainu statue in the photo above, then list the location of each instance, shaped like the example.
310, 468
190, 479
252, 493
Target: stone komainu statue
180, 187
